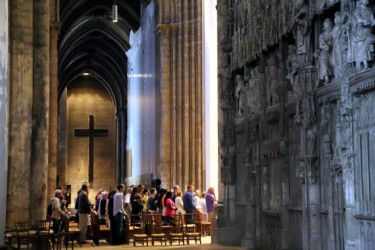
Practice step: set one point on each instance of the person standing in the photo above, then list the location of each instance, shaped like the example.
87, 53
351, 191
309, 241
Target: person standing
204, 207
210, 203
117, 227
179, 203
84, 210
152, 203
170, 208
188, 201
127, 201
103, 208
197, 200
57, 212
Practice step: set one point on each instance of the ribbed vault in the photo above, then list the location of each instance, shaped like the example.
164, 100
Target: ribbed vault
90, 42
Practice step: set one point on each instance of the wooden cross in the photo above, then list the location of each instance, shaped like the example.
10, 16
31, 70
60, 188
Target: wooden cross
91, 132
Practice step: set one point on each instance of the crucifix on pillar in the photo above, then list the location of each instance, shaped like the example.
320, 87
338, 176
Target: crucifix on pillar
91, 132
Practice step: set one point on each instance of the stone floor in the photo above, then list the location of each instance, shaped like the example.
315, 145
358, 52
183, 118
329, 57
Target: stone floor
205, 245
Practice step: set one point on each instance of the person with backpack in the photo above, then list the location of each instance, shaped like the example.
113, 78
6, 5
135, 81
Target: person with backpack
56, 211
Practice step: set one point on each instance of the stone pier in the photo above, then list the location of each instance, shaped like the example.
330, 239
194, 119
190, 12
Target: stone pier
40, 113
20, 108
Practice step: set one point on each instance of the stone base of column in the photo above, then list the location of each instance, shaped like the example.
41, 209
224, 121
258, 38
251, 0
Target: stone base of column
228, 237
248, 244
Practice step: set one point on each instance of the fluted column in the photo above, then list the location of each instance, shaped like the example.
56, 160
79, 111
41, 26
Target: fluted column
53, 109
164, 171
40, 129
20, 108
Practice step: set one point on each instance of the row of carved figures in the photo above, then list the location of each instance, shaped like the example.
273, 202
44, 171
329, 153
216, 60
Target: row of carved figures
345, 46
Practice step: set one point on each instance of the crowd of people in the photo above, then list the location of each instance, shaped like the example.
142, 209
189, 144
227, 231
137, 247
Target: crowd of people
112, 207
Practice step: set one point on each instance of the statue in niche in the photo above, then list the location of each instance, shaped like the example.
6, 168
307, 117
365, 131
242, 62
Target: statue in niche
302, 32
292, 65
240, 94
311, 142
325, 45
340, 45
254, 93
272, 73
361, 37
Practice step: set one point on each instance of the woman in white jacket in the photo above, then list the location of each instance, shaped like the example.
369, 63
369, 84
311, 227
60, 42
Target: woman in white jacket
179, 203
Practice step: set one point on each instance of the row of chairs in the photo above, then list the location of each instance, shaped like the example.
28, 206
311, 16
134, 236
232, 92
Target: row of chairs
184, 227
26, 234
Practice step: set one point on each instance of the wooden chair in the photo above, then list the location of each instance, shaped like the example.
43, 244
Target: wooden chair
100, 231
45, 233
139, 231
190, 228
70, 234
157, 229
204, 227
24, 234
176, 231
9, 235
188, 223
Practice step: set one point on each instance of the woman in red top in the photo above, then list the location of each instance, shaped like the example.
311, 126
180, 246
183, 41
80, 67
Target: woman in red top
170, 208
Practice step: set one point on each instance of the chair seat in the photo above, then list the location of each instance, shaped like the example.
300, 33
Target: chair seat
140, 235
104, 228
27, 234
176, 234
205, 222
193, 234
158, 235
134, 228
73, 230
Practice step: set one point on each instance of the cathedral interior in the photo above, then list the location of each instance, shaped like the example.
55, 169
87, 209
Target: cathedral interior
267, 101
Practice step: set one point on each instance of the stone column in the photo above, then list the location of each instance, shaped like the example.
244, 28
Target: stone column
53, 109
20, 108
121, 123
4, 105
164, 170
40, 130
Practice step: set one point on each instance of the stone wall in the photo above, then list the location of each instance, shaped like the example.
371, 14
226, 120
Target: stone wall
295, 91
87, 96
4, 106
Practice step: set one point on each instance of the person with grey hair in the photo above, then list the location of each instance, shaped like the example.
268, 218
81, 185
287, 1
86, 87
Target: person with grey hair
103, 208
57, 212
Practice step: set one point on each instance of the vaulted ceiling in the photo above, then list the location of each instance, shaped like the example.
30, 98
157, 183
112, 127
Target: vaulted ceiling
90, 42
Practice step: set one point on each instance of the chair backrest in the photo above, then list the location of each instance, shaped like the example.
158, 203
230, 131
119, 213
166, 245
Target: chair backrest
198, 216
178, 222
44, 225
156, 223
23, 227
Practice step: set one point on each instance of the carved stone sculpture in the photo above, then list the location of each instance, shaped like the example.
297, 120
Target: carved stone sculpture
340, 45
240, 94
361, 37
292, 65
311, 142
302, 32
272, 74
326, 45
254, 92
